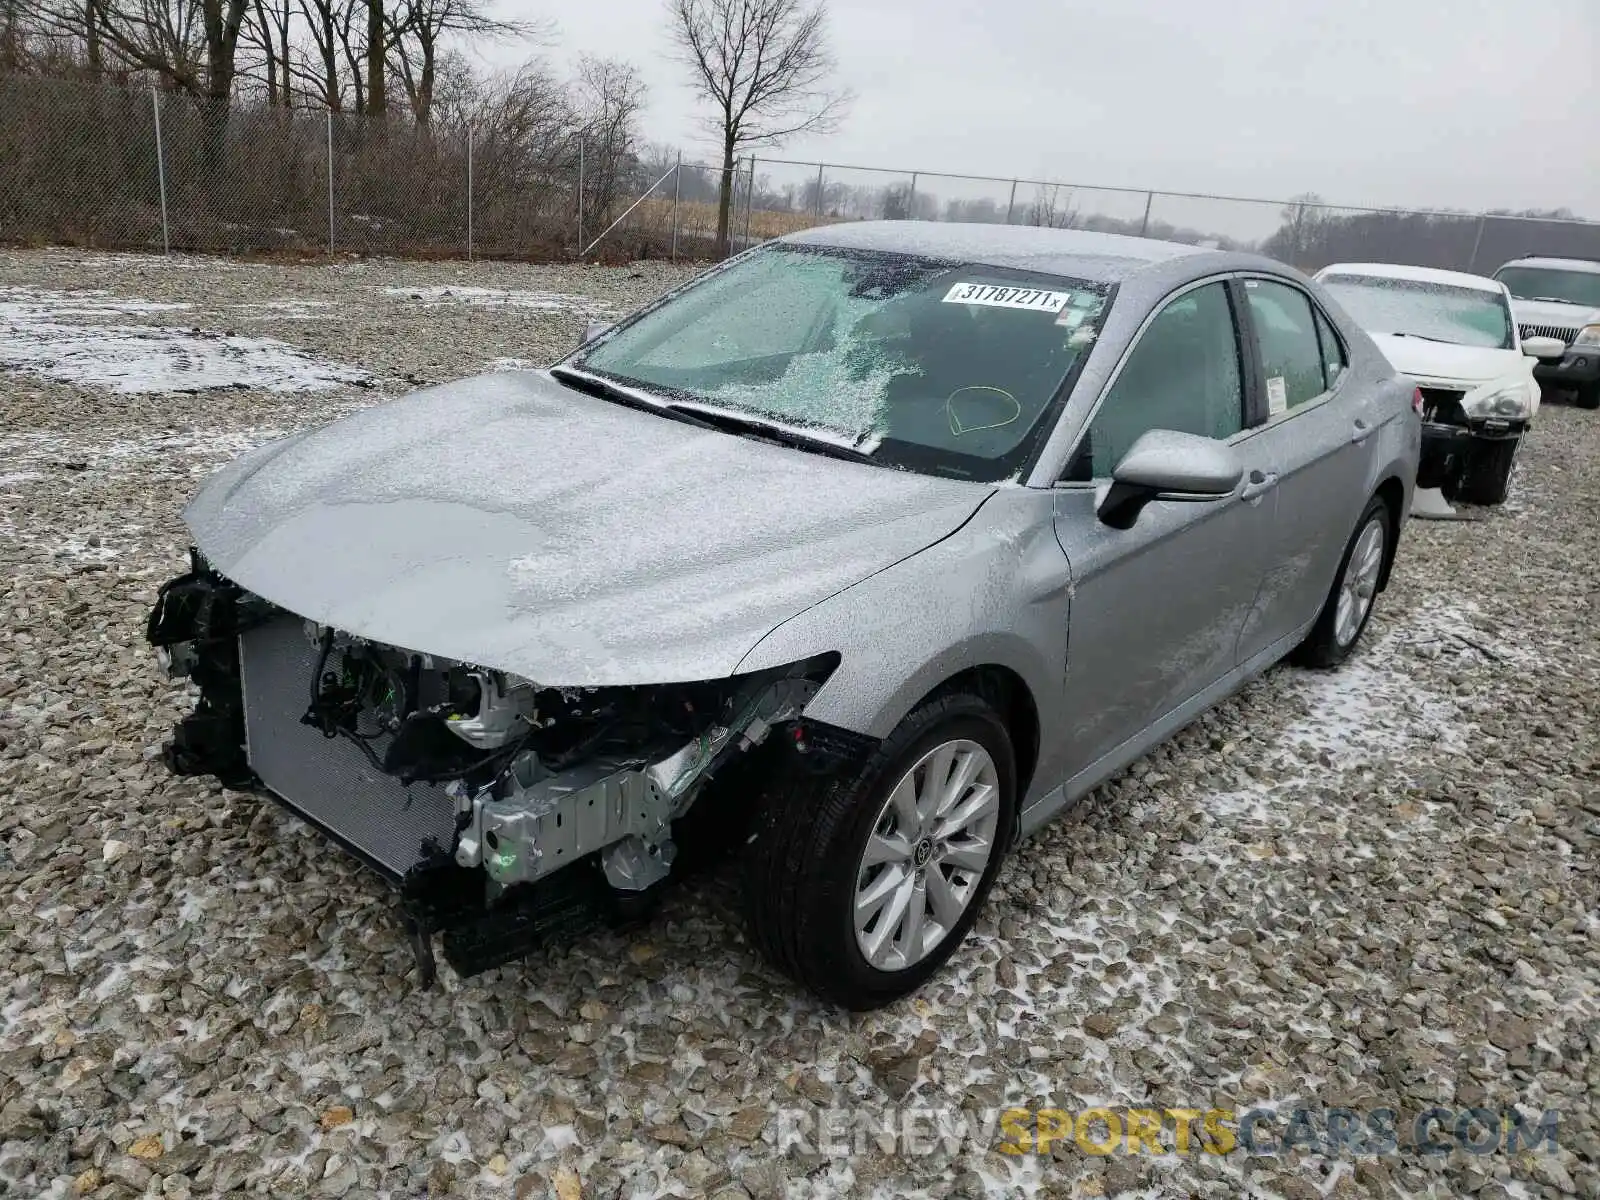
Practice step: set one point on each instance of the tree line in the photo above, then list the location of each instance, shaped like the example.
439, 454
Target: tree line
250, 152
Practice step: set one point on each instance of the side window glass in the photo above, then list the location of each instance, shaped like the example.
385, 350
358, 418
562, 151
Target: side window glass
1286, 337
1333, 359
1182, 375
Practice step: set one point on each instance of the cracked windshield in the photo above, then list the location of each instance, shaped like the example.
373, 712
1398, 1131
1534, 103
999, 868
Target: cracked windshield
933, 366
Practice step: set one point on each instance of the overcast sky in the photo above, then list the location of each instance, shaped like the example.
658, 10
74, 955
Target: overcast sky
1452, 103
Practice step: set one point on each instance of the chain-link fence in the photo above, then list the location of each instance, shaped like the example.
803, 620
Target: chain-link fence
116, 168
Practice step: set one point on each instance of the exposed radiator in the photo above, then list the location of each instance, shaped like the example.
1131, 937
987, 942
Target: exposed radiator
329, 780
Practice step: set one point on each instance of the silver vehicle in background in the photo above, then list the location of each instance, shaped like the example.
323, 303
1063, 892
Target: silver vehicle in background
867, 553
1559, 298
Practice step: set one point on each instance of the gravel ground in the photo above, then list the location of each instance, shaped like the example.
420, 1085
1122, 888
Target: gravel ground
1372, 888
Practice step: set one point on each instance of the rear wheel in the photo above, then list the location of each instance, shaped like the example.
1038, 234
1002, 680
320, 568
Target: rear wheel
1348, 606
860, 885
1486, 475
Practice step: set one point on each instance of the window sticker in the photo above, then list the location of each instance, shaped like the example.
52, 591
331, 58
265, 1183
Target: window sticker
1084, 306
1277, 396
995, 296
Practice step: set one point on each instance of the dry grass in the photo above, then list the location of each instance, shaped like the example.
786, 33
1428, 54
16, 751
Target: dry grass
700, 219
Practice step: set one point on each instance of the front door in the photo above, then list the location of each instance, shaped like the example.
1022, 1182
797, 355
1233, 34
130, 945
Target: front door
1157, 609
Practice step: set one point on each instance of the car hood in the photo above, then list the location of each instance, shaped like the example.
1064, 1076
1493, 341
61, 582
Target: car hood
1443, 360
1550, 312
509, 522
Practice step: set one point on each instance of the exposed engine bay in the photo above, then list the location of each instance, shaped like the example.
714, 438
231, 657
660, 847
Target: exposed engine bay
468, 787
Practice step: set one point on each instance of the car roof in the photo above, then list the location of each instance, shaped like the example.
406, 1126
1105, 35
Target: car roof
1420, 274
1589, 265
1079, 253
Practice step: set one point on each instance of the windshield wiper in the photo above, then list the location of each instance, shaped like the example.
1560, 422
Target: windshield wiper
721, 418
1424, 337
1552, 300
594, 385
706, 418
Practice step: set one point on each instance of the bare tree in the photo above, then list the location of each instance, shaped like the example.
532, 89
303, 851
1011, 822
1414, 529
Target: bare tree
332, 26
609, 95
266, 32
415, 29
1051, 208
377, 59
763, 67
190, 45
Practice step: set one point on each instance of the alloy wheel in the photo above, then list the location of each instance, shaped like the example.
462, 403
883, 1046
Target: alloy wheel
926, 855
1360, 582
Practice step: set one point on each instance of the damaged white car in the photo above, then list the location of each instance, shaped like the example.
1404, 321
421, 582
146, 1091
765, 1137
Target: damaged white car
1455, 335
865, 553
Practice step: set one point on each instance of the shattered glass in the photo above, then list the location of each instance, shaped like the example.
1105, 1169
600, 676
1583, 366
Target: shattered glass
943, 367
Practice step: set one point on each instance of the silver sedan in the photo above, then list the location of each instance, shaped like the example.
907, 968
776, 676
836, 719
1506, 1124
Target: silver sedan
863, 554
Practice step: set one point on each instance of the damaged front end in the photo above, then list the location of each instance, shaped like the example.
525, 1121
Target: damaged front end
503, 810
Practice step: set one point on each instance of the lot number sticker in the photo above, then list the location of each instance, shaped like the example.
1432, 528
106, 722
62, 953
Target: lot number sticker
1277, 396
995, 296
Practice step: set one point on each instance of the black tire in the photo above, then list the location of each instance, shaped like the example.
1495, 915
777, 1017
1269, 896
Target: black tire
1322, 648
1486, 475
1588, 395
800, 865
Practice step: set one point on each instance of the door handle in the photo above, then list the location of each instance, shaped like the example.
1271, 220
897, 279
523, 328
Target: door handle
1259, 484
1360, 431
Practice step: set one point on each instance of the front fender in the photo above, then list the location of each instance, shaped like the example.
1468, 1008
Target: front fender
994, 593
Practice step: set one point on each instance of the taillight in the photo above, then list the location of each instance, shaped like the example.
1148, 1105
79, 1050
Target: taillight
1416, 401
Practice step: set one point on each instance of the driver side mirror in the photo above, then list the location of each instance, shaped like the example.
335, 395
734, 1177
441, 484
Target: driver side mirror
1543, 347
593, 330
1166, 465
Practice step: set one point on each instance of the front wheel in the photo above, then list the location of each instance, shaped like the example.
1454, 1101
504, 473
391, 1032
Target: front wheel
1486, 477
861, 885
1589, 395
1348, 606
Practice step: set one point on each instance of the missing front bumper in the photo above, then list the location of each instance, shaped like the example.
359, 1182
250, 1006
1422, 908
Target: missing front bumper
519, 850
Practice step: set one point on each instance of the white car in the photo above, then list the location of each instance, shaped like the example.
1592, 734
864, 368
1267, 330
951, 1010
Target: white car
1454, 334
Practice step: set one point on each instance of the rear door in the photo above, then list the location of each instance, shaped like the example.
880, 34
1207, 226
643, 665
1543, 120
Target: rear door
1312, 440
1157, 609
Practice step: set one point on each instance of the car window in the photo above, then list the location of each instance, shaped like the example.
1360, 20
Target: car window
1286, 337
946, 367
1551, 283
1334, 361
1183, 374
780, 304
1425, 308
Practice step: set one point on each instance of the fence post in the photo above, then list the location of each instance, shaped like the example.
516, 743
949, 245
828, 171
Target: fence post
469, 193
819, 192
1144, 225
1011, 203
1472, 263
330, 183
911, 199
161, 172
677, 187
749, 200
580, 194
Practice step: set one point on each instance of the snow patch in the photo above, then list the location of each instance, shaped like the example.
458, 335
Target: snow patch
136, 359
